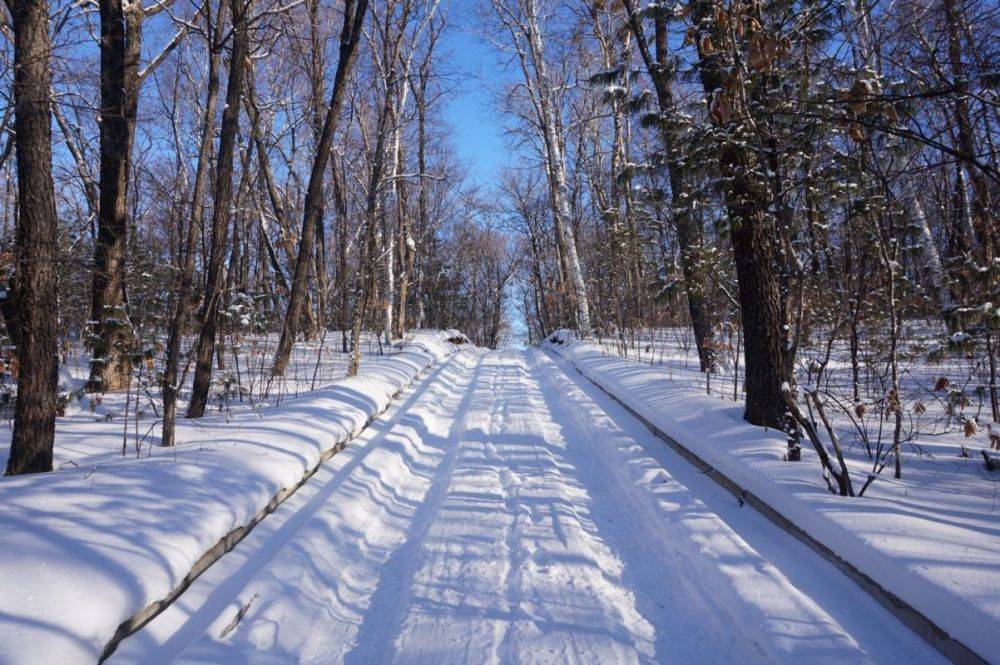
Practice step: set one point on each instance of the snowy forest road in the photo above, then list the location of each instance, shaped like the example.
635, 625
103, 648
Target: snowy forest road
505, 511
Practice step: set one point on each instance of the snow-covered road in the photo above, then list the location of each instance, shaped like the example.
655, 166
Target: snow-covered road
506, 511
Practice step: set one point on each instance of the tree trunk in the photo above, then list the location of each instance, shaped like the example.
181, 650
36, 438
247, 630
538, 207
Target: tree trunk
340, 201
185, 286
35, 242
365, 286
209, 315
354, 15
753, 235
555, 159
689, 235
983, 221
121, 37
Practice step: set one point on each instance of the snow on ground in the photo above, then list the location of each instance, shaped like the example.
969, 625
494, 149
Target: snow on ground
508, 512
932, 538
96, 427
85, 548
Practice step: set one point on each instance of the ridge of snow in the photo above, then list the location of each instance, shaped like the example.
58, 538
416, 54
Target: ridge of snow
941, 560
85, 549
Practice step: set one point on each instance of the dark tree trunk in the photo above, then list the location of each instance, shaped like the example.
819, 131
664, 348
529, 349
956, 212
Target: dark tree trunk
689, 233
753, 235
185, 286
350, 34
220, 211
121, 36
343, 284
35, 242
318, 93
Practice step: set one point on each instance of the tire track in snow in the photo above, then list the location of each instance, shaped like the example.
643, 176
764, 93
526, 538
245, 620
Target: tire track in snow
385, 613
512, 570
745, 596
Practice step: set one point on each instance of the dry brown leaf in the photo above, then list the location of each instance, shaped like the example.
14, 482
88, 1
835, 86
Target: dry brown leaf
854, 131
705, 46
719, 108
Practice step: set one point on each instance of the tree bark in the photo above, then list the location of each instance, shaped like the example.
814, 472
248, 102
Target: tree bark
238, 66
35, 242
121, 37
350, 34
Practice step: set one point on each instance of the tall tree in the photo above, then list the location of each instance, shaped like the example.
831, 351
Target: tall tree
239, 64
185, 282
35, 300
350, 34
689, 234
752, 226
121, 78
120, 47
522, 20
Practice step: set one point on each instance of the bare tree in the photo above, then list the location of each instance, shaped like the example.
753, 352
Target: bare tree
195, 216
521, 19
121, 78
35, 242
350, 34
209, 315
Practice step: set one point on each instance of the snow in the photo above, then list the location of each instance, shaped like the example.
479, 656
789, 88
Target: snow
507, 512
86, 548
94, 425
931, 538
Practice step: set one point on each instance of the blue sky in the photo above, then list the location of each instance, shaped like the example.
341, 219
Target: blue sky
470, 112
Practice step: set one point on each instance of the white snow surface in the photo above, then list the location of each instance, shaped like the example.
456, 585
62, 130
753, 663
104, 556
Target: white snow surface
508, 512
931, 538
86, 548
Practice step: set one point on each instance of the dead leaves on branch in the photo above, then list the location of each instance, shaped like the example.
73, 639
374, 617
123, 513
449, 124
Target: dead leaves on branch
864, 100
720, 107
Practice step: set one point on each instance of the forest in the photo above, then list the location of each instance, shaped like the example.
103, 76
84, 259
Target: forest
816, 172
212, 210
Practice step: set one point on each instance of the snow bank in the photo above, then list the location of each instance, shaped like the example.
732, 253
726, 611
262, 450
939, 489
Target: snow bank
917, 538
86, 549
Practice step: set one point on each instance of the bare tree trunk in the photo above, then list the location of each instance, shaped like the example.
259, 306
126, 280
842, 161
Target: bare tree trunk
522, 23
556, 163
354, 15
35, 242
930, 260
238, 66
365, 286
983, 221
340, 201
121, 37
185, 286
317, 64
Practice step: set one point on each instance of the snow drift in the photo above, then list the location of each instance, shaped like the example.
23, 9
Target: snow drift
86, 549
922, 538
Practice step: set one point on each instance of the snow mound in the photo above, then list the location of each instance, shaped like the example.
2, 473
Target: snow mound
86, 549
927, 538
